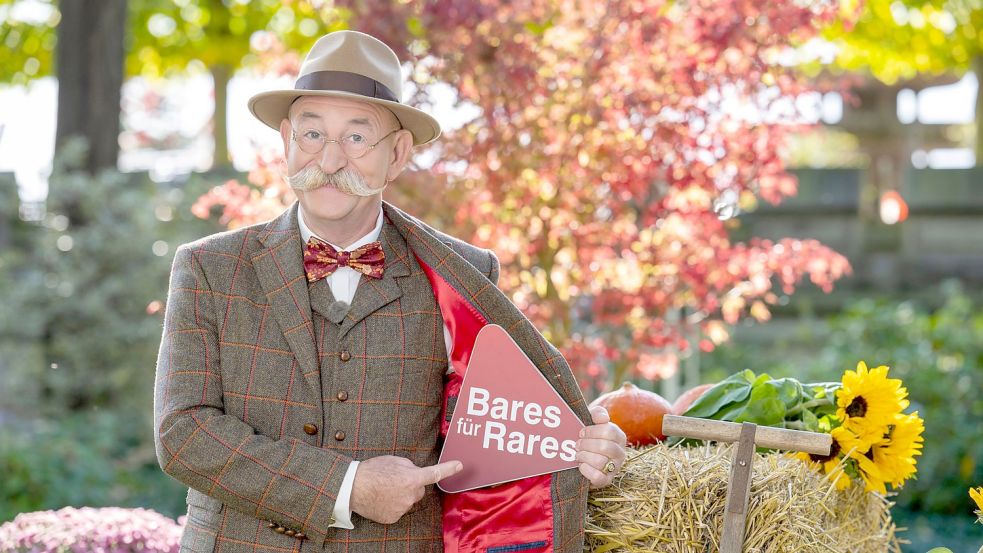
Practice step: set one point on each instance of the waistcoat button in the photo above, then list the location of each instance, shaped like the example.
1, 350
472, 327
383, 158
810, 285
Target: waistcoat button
310, 429
339, 435
345, 356
342, 395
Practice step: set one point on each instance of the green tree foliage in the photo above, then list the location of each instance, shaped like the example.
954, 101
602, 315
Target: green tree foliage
174, 35
168, 37
28, 39
913, 41
900, 39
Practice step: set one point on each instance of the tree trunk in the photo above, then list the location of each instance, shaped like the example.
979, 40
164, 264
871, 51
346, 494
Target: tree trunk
90, 75
221, 74
8, 212
978, 69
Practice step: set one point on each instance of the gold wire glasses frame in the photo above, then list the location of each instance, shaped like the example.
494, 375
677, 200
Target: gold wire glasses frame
354, 145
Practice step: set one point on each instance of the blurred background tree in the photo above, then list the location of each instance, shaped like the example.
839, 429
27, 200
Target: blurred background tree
29, 41
89, 66
913, 43
163, 38
221, 37
607, 182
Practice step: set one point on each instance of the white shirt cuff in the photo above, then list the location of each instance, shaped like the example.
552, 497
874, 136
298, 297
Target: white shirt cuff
342, 506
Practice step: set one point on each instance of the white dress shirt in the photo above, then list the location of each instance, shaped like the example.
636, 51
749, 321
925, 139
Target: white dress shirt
343, 283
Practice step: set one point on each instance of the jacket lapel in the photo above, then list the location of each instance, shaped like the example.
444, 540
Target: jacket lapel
493, 305
373, 294
279, 266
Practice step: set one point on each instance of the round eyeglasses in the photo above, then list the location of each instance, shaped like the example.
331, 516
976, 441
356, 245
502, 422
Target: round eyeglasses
354, 145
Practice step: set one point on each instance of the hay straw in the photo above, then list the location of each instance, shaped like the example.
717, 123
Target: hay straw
672, 500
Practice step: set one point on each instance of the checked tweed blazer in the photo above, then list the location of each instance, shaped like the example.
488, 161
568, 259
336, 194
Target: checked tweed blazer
246, 409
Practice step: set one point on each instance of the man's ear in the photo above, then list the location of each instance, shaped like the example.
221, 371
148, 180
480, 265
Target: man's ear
285, 130
401, 152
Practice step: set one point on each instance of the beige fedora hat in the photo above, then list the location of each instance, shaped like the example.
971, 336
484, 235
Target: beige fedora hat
348, 64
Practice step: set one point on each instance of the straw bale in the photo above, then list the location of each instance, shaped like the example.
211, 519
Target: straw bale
672, 499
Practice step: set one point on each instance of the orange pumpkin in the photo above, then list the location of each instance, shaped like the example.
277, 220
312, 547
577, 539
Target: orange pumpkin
688, 397
637, 412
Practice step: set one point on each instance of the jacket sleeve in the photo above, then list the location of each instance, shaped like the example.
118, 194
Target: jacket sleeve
285, 481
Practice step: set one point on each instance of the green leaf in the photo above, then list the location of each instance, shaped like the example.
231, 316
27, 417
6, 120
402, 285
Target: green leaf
732, 412
765, 406
821, 390
810, 420
789, 390
827, 423
766, 412
733, 389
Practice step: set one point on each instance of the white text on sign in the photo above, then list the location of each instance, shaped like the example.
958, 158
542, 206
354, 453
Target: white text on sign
501, 409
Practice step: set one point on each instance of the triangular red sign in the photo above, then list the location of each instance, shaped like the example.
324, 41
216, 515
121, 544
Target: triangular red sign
509, 423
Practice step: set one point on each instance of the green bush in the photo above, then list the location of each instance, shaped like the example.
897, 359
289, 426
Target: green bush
97, 459
83, 293
76, 331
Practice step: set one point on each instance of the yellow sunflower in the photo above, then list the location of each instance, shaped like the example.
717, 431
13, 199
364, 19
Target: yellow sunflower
830, 465
895, 456
845, 452
870, 474
977, 495
869, 401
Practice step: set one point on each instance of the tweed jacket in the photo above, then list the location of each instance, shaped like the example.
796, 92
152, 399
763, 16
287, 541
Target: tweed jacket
241, 415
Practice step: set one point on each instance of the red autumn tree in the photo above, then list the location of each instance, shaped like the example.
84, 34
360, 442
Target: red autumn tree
614, 140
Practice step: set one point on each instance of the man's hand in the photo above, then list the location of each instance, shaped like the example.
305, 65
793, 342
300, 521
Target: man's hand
386, 487
600, 444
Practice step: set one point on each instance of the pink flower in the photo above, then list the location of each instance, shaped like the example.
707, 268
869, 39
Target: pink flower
87, 529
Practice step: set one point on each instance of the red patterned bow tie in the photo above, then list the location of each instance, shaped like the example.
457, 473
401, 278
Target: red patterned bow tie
321, 259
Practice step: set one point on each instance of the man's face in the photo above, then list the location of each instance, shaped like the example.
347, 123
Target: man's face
335, 119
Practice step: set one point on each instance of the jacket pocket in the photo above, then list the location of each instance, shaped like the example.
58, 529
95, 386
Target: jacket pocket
201, 527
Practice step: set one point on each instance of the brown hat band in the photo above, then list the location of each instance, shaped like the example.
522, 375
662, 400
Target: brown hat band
344, 81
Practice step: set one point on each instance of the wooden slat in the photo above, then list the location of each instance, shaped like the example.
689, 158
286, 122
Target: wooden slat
765, 436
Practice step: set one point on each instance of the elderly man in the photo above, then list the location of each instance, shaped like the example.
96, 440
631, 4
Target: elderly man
309, 366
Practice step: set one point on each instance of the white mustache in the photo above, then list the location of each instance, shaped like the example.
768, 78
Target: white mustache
346, 180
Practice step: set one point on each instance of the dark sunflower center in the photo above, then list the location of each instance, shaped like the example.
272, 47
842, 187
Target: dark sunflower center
857, 407
834, 450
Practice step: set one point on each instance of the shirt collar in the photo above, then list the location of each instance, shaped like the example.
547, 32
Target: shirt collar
372, 236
